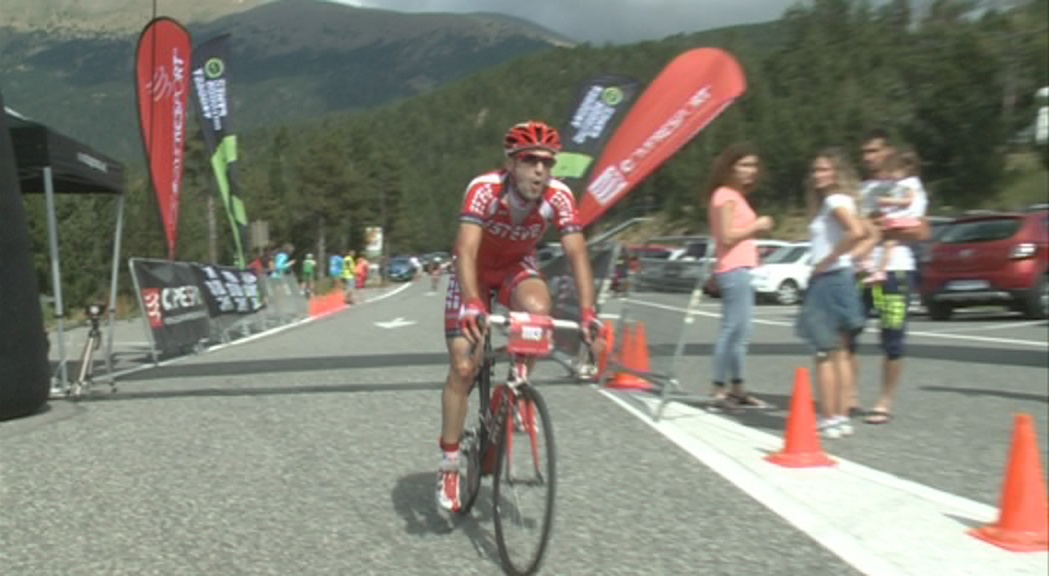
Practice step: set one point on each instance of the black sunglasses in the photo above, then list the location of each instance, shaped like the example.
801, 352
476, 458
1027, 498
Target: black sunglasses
547, 161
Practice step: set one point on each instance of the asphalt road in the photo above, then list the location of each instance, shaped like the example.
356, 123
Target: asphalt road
313, 451
964, 380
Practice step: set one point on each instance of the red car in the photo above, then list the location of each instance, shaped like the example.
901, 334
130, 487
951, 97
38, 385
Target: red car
990, 259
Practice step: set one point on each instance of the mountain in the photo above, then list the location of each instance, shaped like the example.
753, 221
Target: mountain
423, 150
291, 59
77, 17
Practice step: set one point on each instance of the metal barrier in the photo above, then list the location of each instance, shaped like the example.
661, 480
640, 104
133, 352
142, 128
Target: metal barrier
605, 254
285, 303
187, 307
663, 290
568, 348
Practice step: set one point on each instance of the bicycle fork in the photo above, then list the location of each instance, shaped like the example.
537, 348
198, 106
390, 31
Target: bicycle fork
518, 413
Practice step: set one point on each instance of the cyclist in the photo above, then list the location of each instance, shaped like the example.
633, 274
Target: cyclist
434, 269
504, 215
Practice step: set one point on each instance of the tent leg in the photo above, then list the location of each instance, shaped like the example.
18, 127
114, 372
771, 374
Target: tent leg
56, 276
113, 288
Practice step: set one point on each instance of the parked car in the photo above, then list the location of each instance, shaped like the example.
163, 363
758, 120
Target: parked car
401, 269
765, 248
677, 269
989, 259
783, 275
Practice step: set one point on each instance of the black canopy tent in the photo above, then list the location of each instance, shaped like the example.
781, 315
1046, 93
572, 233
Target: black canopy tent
49, 163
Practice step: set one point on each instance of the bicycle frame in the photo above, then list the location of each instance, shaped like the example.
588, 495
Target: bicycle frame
490, 443
492, 419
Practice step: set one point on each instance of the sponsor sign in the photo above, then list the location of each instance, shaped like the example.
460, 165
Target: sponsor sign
210, 79
162, 86
228, 290
599, 104
693, 90
173, 302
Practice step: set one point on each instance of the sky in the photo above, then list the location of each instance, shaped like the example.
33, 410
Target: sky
600, 21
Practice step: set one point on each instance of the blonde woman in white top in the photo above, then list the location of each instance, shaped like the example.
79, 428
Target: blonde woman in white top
832, 314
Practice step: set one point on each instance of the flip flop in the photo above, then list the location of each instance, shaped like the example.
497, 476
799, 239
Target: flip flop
747, 400
878, 417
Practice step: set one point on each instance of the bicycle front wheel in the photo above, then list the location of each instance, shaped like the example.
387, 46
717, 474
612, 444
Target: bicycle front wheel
525, 483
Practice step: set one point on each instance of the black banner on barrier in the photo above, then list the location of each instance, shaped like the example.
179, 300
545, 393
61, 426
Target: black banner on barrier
228, 290
172, 302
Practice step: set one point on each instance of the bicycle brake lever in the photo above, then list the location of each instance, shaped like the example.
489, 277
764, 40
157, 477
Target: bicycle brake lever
595, 329
482, 320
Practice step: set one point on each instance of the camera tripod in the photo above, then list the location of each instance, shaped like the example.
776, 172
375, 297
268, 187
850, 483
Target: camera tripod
85, 376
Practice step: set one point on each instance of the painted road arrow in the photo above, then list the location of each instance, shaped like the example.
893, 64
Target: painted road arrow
397, 323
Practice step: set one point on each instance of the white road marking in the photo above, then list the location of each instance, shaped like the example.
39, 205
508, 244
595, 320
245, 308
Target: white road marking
870, 330
877, 522
1002, 326
398, 322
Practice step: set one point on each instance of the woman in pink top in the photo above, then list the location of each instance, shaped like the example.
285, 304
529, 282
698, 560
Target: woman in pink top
733, 225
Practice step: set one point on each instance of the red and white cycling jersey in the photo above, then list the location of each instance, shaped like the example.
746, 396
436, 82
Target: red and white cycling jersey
512, 227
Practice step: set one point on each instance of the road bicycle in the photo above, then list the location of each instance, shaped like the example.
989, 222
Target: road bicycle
507, 416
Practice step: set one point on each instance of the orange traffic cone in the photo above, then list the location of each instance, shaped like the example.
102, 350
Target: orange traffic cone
635, 358
1023, 521
802, 447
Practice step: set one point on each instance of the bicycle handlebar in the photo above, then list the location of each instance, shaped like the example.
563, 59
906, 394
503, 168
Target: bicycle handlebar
501, 320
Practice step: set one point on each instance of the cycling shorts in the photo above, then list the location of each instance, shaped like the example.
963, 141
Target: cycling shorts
504, 280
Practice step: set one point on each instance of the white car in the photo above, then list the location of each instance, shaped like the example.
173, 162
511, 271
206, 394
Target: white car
783, 275
766, 248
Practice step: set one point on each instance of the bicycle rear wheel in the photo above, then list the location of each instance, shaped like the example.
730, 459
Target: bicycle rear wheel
525, 483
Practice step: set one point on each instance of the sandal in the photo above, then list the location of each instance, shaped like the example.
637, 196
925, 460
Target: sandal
718, 393
746, 400
878, 416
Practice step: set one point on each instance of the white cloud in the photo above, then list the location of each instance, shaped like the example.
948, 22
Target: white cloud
607, 20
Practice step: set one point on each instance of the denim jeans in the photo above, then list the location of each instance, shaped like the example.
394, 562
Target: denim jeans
737, 310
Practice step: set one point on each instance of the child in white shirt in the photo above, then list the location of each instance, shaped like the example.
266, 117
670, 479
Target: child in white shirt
897, 205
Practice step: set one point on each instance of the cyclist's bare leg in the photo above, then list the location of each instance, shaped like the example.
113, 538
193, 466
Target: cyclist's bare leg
456, 394
463, 363
532, 296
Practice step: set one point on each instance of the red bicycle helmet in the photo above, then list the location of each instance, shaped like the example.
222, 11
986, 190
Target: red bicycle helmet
530, 135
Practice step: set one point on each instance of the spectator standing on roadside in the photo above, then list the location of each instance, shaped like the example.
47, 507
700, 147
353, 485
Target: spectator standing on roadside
831, 315
335, 264
282, 263
362, 272
734, 225
890, 298
349, 273
257, 265
309, 274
